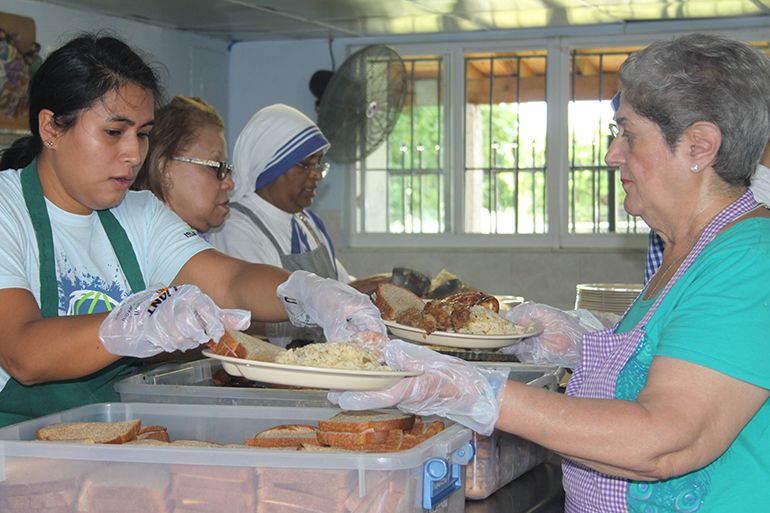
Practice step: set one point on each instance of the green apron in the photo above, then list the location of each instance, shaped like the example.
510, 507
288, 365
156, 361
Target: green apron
21, 402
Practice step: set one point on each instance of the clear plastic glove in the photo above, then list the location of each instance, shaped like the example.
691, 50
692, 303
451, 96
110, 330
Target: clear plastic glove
449, 387
341, 310
167, 319
562, 339
371, 341
283, 333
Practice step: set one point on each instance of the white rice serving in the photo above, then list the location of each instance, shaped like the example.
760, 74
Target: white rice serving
484, 321
332, 355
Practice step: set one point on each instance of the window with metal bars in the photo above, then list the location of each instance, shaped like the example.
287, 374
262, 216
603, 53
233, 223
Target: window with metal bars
595, 194
505, 136
404, 178
473, 162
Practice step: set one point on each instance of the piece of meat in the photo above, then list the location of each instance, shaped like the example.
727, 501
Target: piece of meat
475, 299
461, 316
410, 317
440, 311
427, 323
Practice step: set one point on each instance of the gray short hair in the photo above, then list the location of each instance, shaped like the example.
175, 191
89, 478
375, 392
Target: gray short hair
702, 77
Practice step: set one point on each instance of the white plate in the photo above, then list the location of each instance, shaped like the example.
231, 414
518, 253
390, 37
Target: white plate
461, 340
309, 377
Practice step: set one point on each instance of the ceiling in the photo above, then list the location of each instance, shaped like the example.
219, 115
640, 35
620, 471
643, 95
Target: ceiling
263, 20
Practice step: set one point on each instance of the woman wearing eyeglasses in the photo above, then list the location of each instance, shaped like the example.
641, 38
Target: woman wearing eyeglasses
277, 167
186, 166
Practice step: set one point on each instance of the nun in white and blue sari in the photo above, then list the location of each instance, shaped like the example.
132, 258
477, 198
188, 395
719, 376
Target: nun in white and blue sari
277, 167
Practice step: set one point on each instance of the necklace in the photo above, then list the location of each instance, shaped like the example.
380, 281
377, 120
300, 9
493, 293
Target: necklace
649, 292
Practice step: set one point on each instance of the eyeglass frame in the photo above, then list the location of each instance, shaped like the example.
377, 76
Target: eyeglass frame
614, 130
222, 167
320, 167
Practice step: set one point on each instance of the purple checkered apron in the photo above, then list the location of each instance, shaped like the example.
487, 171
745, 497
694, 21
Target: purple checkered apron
604, 355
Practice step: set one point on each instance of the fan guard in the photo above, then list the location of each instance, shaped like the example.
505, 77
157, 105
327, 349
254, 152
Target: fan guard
361, 103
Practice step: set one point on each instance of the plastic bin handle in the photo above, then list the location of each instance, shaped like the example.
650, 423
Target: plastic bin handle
436, 470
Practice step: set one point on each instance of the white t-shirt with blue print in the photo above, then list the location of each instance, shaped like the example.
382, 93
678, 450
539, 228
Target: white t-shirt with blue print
88, 274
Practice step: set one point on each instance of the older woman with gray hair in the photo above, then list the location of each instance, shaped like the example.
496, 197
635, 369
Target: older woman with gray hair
668, 410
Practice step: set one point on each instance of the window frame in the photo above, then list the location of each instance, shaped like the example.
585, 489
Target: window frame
559, 48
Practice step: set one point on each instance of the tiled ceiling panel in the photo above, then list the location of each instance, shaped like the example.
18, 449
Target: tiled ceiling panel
255, 20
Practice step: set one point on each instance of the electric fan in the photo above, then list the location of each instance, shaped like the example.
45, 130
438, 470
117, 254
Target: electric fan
358, 105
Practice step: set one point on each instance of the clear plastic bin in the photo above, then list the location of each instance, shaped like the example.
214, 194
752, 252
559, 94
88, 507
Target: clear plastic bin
58, 477
501, 458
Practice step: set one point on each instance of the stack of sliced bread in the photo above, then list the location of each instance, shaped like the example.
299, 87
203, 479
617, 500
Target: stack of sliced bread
126, 487
375, 432
200, 488
42, 484
283, 490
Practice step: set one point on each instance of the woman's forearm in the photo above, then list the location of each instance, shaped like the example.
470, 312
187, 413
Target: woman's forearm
683, 419
36, 350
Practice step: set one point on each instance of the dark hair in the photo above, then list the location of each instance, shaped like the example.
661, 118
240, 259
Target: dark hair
74, 78
176, 127
702, 77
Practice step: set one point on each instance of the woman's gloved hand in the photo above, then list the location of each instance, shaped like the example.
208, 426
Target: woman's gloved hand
167, 319
449, 387
341, 310
561, 341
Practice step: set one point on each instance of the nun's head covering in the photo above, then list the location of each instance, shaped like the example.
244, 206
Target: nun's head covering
274, 140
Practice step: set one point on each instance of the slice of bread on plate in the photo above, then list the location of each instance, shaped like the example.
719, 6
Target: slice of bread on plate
292, 435
393, 300
241, 345
99, 432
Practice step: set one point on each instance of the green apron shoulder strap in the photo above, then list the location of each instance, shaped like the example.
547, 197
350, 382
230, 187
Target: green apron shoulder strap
38, 213
123, 250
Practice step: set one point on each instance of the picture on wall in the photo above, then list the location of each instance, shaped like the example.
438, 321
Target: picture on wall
19, 59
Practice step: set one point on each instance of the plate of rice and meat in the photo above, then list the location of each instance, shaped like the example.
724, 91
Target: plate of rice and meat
332, 365
467, 320
464, 340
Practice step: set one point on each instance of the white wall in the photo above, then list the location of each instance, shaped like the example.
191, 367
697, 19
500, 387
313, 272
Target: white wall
266, 73
190, 65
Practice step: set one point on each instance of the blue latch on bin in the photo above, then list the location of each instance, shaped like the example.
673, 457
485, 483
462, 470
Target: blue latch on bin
436, 486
